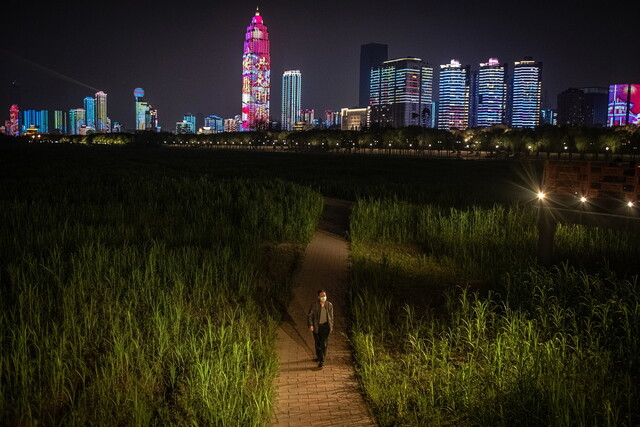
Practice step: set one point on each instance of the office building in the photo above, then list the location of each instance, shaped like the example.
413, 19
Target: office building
214, 124
256, 76
624, 105
571, 107
596, 100
34, 119
489, 94
355, 118
77, 123
291, 98
453, 109
401, 93
526, 93
102, 120
371, 55
90, 111
332, 119
190, 119
548, 117
59, 122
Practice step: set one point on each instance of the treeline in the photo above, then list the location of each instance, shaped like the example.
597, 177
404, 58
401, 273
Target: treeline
549, 139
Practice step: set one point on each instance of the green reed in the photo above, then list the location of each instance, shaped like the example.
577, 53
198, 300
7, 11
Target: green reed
135, 299
526, 346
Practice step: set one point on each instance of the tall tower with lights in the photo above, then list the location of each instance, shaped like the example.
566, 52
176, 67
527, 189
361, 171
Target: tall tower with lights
256, 76
291, 98
527, 93
101, 112
453, 111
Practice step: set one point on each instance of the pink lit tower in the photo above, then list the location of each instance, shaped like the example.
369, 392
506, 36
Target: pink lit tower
256, 76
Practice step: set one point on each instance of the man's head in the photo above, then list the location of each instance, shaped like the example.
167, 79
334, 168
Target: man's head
322, 295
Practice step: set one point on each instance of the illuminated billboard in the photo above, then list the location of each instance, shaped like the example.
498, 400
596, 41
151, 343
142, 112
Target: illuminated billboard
256, 76
624, 105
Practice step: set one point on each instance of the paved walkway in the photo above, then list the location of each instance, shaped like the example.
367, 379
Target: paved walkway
306, 394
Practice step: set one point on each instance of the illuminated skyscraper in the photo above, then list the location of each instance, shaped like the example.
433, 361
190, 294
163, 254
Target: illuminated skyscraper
401, 93
38, 119
256, 76
527, 93
101, 112
90, 111
291, 98
489, 100
453, 111
59, 121
76, 121
371, 55
141, 108
215, 124
13, 124
190, 119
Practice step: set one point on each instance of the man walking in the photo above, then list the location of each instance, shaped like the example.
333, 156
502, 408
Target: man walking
320, 322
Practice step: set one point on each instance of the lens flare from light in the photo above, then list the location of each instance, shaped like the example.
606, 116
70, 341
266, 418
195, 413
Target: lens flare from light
630, 204
583, 199
540, 195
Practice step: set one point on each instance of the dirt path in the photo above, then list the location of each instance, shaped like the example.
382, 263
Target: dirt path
306, 394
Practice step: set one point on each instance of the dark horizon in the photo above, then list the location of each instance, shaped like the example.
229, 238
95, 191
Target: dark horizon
191, 62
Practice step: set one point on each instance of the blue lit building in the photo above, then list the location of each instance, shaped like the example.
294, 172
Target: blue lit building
453, 109
90, 112
291, 98
39, 119
190, 119
526, 93
489, 99
102, 121
401, 94
76, 121
59, 121
214, 123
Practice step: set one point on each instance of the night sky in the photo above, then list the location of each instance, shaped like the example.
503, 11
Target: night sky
187, 56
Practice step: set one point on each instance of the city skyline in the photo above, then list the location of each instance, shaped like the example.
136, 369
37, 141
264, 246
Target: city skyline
195, 65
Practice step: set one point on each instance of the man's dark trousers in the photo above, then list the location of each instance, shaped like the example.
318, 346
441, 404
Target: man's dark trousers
321, 338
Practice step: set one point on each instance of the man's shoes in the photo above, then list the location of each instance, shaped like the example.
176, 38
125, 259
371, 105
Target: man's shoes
321, 365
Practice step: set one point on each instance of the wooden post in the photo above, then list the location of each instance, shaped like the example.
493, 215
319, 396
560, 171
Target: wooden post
547, 226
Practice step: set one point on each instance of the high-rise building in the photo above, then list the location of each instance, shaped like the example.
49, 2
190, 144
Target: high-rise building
371, 55
215, 124
571, 107
141, 109
59, 121
190, 119
489, 94
38, 119
332, 119
401, 93
90, 111
526, 95
548, 117
13, 124
453, 110
355, 118
101, 113
291, 98
624, 105
77, 117
307, 115
256, 76
596, 100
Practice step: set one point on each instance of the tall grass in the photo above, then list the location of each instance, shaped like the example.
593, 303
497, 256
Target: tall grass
136, 299
529, 347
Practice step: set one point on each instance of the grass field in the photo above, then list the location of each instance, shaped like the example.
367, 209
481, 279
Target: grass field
455, 324
134, 295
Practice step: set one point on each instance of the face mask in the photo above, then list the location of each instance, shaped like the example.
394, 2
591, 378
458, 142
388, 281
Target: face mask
323, 299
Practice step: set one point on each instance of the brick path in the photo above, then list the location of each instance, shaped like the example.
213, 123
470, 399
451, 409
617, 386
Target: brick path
306, 394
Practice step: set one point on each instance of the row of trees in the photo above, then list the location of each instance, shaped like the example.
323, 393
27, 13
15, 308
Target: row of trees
549, 139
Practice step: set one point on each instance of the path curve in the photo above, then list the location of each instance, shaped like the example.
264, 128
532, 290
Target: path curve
306, 394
